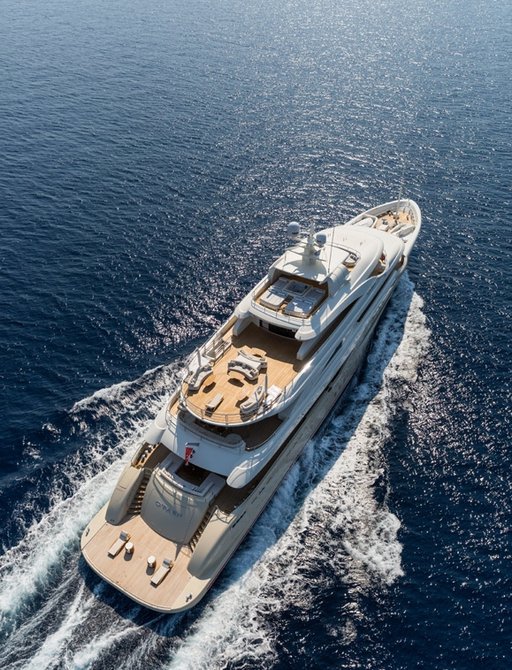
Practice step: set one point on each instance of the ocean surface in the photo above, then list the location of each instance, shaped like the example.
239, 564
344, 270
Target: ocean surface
151, 156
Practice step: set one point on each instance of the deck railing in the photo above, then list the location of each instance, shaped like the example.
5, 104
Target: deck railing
224, 418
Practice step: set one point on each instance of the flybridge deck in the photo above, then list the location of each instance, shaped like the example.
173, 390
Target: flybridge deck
256, 361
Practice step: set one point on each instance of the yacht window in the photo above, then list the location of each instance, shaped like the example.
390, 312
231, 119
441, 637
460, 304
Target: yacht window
278, 330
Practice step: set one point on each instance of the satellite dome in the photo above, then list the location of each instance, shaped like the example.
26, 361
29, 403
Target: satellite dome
321, 239
293, 229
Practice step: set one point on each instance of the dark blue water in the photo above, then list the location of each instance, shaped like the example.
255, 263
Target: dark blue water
151, 155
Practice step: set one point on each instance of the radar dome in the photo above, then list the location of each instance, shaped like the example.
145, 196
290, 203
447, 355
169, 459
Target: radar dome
293, 229
321, 239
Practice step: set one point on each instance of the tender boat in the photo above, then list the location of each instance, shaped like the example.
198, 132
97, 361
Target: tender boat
249, 400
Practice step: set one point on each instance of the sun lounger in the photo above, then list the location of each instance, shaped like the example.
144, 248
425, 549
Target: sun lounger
212, 404
119, 544
196, 379
303, 305
280, 283
275, 295
404, 230
162, 571
273, 299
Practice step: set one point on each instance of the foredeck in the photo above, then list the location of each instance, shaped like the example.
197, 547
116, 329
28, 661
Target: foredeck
282, 366
390, 219
130, 572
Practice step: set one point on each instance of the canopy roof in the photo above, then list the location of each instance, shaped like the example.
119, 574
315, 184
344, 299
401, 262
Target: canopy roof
320, 264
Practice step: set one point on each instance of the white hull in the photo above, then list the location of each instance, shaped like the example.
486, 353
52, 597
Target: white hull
248, 475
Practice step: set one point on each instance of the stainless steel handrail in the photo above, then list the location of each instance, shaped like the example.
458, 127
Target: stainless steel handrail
218, 417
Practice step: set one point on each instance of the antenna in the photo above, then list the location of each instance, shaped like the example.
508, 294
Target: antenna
311, 234
400, 189
330, 253
312, 243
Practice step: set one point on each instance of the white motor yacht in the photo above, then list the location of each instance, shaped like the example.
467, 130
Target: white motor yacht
249, 400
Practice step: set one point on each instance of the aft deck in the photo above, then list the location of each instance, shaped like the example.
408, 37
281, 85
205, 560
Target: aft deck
130, 572
221, 396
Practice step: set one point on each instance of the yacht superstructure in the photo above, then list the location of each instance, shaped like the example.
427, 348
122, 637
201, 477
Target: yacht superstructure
249, 400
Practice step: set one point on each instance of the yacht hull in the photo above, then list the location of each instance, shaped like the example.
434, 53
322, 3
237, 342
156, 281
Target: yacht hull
198, 567
203, 475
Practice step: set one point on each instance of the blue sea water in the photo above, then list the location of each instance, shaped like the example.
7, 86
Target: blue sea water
151, 155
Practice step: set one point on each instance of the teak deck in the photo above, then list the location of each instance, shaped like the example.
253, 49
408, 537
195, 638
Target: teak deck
392, 218
130, 573
282, 367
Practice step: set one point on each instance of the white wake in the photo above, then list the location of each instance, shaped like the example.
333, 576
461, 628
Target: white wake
26, 567
325, 511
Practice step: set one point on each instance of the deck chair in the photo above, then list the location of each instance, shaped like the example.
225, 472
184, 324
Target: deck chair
162, 572
275, 295
252, 404
119, 544
197, 377
273, 393
213, 404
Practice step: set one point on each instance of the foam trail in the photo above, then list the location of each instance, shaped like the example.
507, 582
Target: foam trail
340, 522
24, 641
117, 391
93, 650
26, 565
25, 568
157, 644
51, 651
